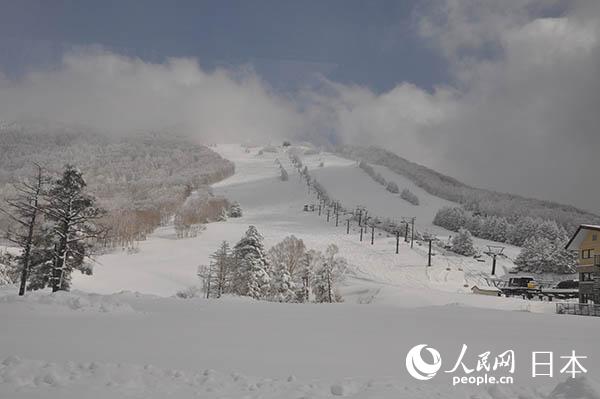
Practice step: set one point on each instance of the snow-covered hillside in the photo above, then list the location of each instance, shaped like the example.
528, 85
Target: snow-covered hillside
165, 265
123, 334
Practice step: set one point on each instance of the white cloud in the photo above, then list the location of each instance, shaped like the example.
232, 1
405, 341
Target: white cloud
522, 119
121, 94
522, 115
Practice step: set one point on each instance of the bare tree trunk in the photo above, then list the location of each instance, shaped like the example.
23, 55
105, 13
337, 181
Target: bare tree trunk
30, 231
208, 278
329, 286
57, 267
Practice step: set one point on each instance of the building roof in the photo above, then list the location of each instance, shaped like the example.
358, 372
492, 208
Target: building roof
580, 235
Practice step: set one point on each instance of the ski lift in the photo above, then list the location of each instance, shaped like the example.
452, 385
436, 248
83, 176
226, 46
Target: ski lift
494, 251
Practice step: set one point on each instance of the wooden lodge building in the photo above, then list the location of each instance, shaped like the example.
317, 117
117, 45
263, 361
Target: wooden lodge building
586, 241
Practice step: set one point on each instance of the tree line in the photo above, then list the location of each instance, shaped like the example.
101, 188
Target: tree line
141, 180
471, 198
288, 272
542, 241
55, 224
390, 186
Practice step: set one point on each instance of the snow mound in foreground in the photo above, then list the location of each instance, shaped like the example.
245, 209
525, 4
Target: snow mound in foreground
30, 378
74, 300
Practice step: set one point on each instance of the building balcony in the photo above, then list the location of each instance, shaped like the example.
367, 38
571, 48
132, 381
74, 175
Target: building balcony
590, 267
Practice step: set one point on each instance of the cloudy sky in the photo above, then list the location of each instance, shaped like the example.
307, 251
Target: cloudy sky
500, 94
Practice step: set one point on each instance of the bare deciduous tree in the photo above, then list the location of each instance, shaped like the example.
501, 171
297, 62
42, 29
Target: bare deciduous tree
289, 252
24, 211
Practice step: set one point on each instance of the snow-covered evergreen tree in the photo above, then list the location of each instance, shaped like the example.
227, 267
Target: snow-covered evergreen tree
282, 286
380, 179
549, 230
222, 264
42, 258
541, 255
251, 277
450, 218
524, 229
222, 216
9, 272
409, 196
5, 271
462, 243
392, 187
499, 228
474, 224
74, 216
235, 211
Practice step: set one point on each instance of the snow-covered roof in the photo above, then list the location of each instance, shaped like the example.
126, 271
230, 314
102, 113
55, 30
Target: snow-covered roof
580, 235
590, 226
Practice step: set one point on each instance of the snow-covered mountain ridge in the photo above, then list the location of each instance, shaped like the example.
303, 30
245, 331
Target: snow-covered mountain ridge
475, 199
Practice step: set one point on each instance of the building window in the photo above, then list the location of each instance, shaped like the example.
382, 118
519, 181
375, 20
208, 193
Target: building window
586, 253
594, 237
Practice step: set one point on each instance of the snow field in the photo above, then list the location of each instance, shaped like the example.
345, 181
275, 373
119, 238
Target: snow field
147, 344
169, 348
73, 300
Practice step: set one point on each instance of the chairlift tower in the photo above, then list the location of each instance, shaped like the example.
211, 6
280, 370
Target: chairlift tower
494, 251
428, 237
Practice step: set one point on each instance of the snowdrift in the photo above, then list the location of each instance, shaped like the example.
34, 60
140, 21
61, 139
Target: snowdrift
74, 300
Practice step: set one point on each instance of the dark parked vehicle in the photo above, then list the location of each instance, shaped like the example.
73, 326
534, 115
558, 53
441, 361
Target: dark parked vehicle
567, 285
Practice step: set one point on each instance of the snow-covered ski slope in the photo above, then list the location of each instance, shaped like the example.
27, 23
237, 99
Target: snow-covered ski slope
165, 265
138, 345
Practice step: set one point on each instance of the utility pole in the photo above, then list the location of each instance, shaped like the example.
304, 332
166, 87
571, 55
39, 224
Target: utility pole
372, 233
397, 240
429, 255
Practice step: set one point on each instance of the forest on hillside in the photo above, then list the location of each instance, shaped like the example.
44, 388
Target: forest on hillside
141, 180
